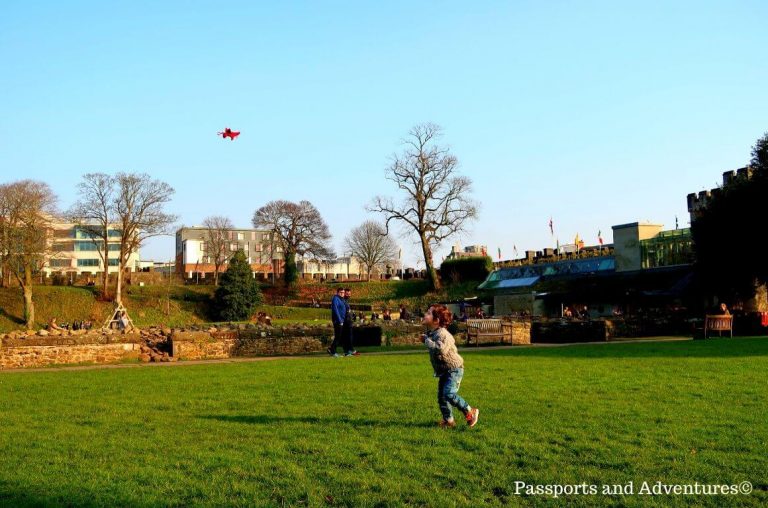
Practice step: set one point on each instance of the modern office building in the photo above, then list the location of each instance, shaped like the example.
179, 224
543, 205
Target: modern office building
76, 251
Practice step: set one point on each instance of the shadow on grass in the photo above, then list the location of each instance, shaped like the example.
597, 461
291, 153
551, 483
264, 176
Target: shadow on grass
710, 348
314, 420
10, 317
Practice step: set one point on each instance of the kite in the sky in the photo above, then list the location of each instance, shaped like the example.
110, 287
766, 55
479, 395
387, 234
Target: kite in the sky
228, 133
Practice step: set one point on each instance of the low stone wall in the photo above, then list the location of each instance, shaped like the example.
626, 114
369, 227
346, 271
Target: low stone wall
399, 333
191, 345
560, 331
35, 351
253, 343
517, 332
199, 345
42, 348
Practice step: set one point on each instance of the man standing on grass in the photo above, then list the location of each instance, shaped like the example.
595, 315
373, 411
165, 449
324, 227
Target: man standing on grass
338, 317
346, 332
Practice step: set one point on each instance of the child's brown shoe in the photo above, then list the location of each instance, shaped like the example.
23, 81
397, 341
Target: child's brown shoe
447, 424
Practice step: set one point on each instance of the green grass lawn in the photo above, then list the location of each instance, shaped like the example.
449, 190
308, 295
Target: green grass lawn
360, 431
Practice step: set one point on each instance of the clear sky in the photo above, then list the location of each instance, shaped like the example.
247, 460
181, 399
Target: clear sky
594, 113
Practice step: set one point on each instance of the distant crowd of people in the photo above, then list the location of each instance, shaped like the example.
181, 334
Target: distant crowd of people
581, 312
75, 325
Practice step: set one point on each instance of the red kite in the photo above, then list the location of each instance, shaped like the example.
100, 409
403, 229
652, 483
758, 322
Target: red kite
228, 133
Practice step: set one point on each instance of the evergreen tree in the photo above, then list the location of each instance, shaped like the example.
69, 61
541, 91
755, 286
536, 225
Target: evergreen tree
238, 293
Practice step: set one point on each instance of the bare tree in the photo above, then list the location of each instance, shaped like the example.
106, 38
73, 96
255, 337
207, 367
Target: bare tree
371, 245
299, 229
27, 208
217, 242
436, 203
94, 213
139, 202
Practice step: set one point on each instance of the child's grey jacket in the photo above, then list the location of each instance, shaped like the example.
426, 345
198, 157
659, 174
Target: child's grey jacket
442, 351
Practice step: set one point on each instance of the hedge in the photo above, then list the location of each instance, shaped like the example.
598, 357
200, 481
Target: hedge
466, 268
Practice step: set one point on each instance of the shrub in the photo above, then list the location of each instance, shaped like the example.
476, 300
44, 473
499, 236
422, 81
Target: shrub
466, 268
238, 292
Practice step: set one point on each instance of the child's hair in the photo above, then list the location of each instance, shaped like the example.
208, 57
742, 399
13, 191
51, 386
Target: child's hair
441, 314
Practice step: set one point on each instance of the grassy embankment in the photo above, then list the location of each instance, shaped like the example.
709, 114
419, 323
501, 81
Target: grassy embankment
180, 305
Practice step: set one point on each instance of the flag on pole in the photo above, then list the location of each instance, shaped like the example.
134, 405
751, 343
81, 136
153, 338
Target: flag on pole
514, 249
551, 227
499, 253
600, 237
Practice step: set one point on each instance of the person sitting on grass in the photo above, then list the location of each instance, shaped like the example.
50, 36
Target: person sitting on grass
448, 366
124, 324
52, 325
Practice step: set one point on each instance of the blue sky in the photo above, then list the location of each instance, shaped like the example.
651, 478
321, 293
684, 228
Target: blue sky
594, 113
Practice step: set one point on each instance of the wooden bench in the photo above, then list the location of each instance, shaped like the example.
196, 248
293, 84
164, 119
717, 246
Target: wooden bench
484, 329
719, 323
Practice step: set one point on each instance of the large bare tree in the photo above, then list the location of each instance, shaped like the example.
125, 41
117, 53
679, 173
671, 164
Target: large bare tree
371, 245
94, 214
436, 202
217, 242
27, 209
298, 228
140, 214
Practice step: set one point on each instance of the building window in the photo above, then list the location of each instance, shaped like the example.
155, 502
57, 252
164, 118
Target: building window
61, 263
87, 262
233, 247
114, 247
112, 233
240, 237
114, 262
86, 246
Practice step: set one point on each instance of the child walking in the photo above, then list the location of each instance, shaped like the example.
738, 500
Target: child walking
448, 366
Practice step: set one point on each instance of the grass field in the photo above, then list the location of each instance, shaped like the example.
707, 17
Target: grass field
360, 431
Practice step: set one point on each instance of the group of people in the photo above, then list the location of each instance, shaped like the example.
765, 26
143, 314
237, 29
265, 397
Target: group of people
341, 316
76, 325
264, 319
580, 313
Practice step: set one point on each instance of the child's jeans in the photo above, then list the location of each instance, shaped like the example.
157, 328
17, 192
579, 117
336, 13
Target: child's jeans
447, 393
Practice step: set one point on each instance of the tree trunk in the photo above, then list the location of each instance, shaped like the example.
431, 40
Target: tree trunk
106, 272
290, 274
119, 289
29, 305
5, 280
216, 276
434, 282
